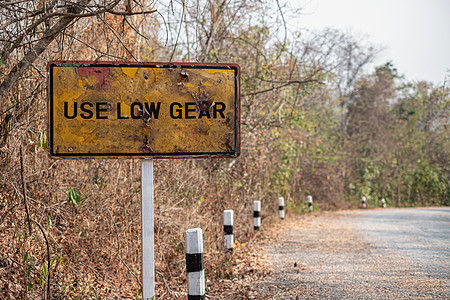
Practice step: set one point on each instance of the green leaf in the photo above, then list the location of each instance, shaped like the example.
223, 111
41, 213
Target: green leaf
42, 141
73, 197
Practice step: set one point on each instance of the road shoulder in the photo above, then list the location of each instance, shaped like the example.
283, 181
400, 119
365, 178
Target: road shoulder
325, 255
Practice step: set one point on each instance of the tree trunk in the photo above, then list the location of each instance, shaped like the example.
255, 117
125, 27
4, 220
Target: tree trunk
30, 57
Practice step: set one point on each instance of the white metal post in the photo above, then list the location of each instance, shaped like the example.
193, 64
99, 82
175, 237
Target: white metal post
228, 229
281, 207
148, 247
310, 206
256, 215
194, 264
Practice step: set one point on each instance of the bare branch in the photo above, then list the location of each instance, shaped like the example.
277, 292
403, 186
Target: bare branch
285, 31
49, 262
29, 58
178, 34
24, 191
120, 13
96, 50
299, 82
118, 38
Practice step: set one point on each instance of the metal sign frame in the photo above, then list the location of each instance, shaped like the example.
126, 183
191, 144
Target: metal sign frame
231, 152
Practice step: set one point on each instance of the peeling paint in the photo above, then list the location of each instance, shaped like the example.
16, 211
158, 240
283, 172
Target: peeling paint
182, 78
130, 72
98, 73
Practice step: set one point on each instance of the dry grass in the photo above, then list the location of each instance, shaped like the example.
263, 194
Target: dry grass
95, 245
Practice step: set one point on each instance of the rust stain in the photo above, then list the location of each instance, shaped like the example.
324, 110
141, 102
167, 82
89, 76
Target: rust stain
228, 142
146, 117
182, 78
146, 146
203, 101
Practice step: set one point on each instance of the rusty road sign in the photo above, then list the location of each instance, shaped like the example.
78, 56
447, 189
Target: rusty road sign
111, 109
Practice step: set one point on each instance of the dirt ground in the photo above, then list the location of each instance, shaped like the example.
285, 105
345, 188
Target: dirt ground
326, 256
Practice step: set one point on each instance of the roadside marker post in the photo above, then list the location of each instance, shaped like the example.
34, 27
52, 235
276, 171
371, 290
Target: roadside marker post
310, 206
194, 264
256, 215
363, 200
383, 203
281, 207
143, 110
228, 229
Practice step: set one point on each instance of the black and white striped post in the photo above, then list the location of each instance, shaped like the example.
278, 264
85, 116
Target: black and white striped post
383, 203
281, 207
364, 202
194, 264
256, 215
228, 229
310, 206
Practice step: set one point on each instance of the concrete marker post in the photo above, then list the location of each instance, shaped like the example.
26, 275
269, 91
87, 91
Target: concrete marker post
281, 207
256, 215
310, 206
228, 229
148, 240
363, 200
194, 264
383, 203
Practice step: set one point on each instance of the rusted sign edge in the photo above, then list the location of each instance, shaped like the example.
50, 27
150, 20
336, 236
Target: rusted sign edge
189, 65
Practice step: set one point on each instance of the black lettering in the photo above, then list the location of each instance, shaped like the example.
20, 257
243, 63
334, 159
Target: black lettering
100, 109
66, 108
204, 113
178, 111
135, 115
88, 113
187, 110
152, 110
220, 110
119, 112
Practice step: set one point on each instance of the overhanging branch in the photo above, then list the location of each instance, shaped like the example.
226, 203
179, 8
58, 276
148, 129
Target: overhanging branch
299, 82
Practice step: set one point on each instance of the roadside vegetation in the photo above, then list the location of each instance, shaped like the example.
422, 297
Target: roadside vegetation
317, 119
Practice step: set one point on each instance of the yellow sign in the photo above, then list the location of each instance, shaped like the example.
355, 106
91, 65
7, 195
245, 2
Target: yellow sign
108, 109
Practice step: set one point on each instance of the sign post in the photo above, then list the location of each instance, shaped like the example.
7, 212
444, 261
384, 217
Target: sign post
143, 110
148, 239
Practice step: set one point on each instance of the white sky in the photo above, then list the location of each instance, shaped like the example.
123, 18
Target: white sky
414, 33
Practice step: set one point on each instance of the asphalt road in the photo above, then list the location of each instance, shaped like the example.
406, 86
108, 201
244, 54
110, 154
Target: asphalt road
422, 234
362, 254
